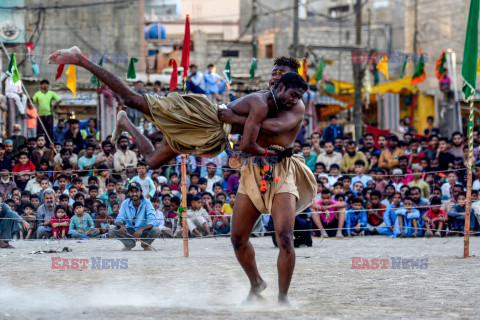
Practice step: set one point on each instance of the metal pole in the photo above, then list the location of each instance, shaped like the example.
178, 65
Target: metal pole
295, 28
358, 75
183, 171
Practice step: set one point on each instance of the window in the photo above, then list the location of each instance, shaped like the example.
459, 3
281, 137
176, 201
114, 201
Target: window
269, 50
230, 53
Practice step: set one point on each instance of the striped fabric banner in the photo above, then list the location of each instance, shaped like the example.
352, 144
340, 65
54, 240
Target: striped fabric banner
106, 117
389, 111
13, 117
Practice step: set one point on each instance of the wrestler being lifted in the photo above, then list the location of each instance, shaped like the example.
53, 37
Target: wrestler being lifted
191, 123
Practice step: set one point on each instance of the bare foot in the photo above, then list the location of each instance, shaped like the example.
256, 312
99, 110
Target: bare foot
255, 291
339, 235
283, 300
117, 132
66, 56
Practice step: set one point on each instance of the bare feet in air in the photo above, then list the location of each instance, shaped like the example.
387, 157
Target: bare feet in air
121, 118
255, 291
65, 56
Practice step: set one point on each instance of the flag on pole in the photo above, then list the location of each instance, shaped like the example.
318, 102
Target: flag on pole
304, 69
72, 79
12, 70
402, 72
35, 68
185, 63
227, 72
59, 71
440, 65
174, 77
470, 52
478, 67
131, 68
253, 66
94, 80
419, 74
319, 74
383, 66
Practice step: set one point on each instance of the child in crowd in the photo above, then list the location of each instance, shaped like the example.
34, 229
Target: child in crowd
92, 196
120, 190
115, 210
199, 221
456, 215
447, 186
110, 185
329, 215
60, 222
408, 219
333, 174
435, 218
220, 222
356, 219
29, 216
227, 208
193, 190
174, 185
207, 200
202, 185
359, 170
81, 224
389, 227
148, 187
172, 227
102, 220
375, 211
63, 183
23, 169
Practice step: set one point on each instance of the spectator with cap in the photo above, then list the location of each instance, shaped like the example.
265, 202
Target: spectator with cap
17, 139
136, 220
9, 148
389, 158
6, 183
5, 161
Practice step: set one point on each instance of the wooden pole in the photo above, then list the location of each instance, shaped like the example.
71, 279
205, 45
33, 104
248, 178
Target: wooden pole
466, 230
183, 171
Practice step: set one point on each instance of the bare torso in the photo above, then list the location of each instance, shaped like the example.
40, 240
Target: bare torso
285, 139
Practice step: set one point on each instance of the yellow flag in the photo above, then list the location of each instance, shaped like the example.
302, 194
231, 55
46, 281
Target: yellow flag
478, 66
72, 79
383, 66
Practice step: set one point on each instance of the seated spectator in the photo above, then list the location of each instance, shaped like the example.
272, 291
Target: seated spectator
199, 221
390, 218
319, 168
414, 156
407, 173
91, 130
60, 223
73, 133
45, 214
360, 174
397, 179
220, 222
309, 156
389, 158
171, 219
41, 152
368, 145
435, 219
44, 185
358, 188
408, 219
174, 185
227, 208
418, 182
92, 196
230, 179
103, 221
356, 218
87, 161
81, 224
110, 185
124, 158
350, 157
202, 185
7, 185
23, 169
430, 128
375, 211
456, 217
65, 157
330, 215
448, 186
30, 217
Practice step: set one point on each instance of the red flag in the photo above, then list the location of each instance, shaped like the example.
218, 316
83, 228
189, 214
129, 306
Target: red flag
174, 77
305, 65
59, 71
29, 46
185, 63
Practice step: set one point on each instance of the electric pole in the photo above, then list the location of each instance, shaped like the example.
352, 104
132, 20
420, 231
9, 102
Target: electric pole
254, 21
358, 72
295, 28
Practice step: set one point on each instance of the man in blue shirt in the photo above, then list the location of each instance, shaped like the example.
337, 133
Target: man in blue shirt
136, 220
333, 131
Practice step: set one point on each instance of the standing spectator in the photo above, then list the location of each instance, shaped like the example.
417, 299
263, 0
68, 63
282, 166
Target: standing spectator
444, 157
124, 158
430, 128
389, 158
74, 135
444, 82
14, 91
43, 100
350, 157
31, 121
195, 80
41, 151
212, 178
457, 149
157, 89
133, 114
59, 132
136, 220
9, 148
148, 187
45, 214
330, 156
16, 139
333, 131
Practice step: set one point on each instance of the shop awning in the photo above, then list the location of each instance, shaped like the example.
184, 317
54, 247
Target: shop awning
328, 101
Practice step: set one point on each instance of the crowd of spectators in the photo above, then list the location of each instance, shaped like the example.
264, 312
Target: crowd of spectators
81, 187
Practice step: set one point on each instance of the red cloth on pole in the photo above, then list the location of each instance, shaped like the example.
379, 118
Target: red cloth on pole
59, 71
29, 46
174, 77
185, 63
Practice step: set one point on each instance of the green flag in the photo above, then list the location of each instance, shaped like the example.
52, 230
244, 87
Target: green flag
227, 72
402, 73
131, 68
12, 70
470, 52
319, 74
419, 74
253, 66
94, 80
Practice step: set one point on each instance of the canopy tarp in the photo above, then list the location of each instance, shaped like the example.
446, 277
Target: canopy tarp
395, 86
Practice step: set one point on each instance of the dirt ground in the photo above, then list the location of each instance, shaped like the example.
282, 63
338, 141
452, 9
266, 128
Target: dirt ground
211, 285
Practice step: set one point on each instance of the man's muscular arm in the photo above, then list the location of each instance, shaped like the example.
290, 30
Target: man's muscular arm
285, 121
248, 144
